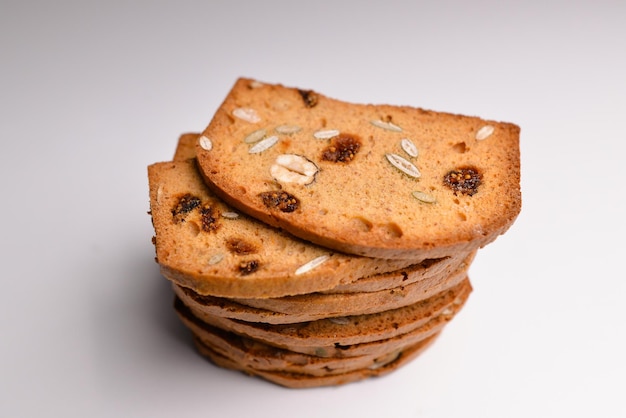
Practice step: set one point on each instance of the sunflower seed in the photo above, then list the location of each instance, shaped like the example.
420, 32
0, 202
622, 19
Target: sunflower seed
255, 136
247, 114
484, 132
326, 134
254, 84
409, 147
261, 146
293, 168
386, 125
205, 143
424, 197
312, 264
403, 165
287, 129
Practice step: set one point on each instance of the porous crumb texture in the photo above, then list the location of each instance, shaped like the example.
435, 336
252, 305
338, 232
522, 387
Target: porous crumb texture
312, 242
375, 180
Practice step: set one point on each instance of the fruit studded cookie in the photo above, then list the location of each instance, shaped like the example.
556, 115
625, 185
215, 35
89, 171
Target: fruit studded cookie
374, 180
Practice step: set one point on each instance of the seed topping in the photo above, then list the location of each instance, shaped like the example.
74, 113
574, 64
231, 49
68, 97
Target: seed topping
389, 126
484, 132
264, 144
287, 129
403, 165
205, 143
326, 134
409, 147
255, 136
316, 262
424, 197
247, 114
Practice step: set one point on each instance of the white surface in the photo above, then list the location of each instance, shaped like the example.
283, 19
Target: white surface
93, 92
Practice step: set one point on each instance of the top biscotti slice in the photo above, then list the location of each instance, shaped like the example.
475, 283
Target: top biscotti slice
374, 180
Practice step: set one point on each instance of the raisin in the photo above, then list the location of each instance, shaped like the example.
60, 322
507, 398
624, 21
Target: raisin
247, 267
240, 247
342, 149
186, 204
282, 201
309, 97
463, 180
208, 219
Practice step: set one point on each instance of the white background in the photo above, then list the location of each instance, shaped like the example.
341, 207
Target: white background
93, 92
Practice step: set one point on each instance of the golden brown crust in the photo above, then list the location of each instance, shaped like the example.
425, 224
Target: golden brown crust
361, 203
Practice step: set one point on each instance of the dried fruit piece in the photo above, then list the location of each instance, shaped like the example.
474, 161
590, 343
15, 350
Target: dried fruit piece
255, 136
316, 262
403, 165
240, 246
288, 129
424, 197
389, 126
208, 219
484, 132
326, 134
186, 203
247, 267
282, 201
409, 147
465, 180
205, 143
309, 97
342, 149
247, 114
264, 144
293, 168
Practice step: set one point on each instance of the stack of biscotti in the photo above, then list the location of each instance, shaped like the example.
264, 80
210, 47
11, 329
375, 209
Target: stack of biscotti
314, 242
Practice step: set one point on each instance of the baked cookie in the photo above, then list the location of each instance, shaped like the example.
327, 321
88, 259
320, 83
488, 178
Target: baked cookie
373, 180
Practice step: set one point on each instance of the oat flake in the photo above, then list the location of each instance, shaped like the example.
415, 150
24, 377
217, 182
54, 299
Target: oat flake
216, 259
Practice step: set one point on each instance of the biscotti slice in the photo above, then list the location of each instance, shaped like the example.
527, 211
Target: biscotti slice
255, 354
374, 180
204, 244
296, 380
314, 306
309, 337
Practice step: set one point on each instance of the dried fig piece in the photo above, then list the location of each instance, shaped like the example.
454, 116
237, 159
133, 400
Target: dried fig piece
282, 201
464, 180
